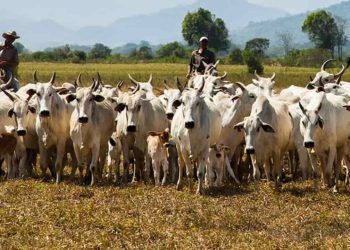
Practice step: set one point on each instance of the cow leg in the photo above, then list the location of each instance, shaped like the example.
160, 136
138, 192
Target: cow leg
102, 159
61, 148
109, 167
10, 168
267, 168
126, 162
347, 171
219, 175
147, 169
117, 169
181, 169
165, 165
210, 175
256, 170
329, 167
80, 163
43, 160
304, 163
277, 171
74, 164
94, 163
337, 163
200, 175
156, 171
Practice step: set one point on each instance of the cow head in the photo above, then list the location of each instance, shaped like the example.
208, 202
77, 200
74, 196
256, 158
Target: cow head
192, 103
253, 127
264, 85
242, 103
133, 105
163, 136
211, 82
171, 99
144, 86
85, 102
19, 111
311, 121
46, 95
323, 77
211, 69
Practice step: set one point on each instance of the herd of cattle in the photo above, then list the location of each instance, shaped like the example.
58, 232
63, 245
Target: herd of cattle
217, 129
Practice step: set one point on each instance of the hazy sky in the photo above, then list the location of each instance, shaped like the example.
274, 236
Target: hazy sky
77, 13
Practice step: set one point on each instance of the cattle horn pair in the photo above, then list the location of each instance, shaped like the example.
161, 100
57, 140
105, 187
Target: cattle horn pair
259, 77
52, 80
136, 82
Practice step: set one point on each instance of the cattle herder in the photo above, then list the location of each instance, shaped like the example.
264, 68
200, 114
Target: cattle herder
9, 56
199, 55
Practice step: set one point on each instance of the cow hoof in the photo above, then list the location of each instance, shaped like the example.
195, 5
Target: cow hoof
335, 190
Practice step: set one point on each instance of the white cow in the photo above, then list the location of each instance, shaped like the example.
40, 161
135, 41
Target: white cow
268, 130
195, 127
171, 98
264, 85
324, 126
91, 126
114, 156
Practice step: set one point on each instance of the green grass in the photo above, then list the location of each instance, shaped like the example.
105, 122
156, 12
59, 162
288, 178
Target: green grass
38, 214
111, 73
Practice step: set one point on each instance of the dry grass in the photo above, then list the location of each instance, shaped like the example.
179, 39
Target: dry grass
35, 214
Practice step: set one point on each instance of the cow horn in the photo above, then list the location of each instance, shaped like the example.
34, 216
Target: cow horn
53, 77
323, 67
179, 85
320, 82
35, 78
120, 84
7, 85
341, 72
256, 74
99, 80
241, 86
12, 98
311, 79
137, 88
216, 63
78, 81
205, 64
200, 89
339, 80
273, 76
150, 78
165, 85
223, 76
133, 80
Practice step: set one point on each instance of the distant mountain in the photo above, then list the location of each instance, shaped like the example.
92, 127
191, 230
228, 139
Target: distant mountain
160, 27
292, 24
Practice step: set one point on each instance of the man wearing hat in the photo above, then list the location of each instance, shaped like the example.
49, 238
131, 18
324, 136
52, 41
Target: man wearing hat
8, 54
202, 54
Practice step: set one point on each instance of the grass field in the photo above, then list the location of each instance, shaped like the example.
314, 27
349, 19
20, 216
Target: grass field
111, 73
39, 214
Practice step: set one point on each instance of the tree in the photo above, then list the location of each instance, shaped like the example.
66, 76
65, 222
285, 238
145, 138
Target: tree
322, 30
20, 47
145, 53
235, 57
286, 40
258, 46
253, 62
173, 49
204, 23
100, 51
341, 38
78, 56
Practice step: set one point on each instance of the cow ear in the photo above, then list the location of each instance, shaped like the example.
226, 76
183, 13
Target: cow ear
320, 122
31, 92
112, 142
347, 107
10, 112
98, 98
71, 98
32, 109
176, 104
239, 126
63, 91
120, 107
267, 128
310, 86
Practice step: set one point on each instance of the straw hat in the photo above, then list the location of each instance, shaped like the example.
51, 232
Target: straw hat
11, 34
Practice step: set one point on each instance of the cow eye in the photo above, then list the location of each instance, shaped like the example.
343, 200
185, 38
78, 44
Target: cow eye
326, 80
258, 129
50, 94
138, 107
251, 95
38, 94
166, 99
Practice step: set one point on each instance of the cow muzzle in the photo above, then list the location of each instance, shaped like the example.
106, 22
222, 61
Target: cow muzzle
250, 151
21, 132
83, 119
44, 113
189, 125
131, 128
170, 116
309, 144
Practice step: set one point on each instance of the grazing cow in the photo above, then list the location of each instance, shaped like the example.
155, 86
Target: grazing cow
264, 85
268, 130
323, 126
113, 158
157, 151
195, 127
91, 126
52, 124
138, 116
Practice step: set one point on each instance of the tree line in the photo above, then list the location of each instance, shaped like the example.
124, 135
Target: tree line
325, 31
